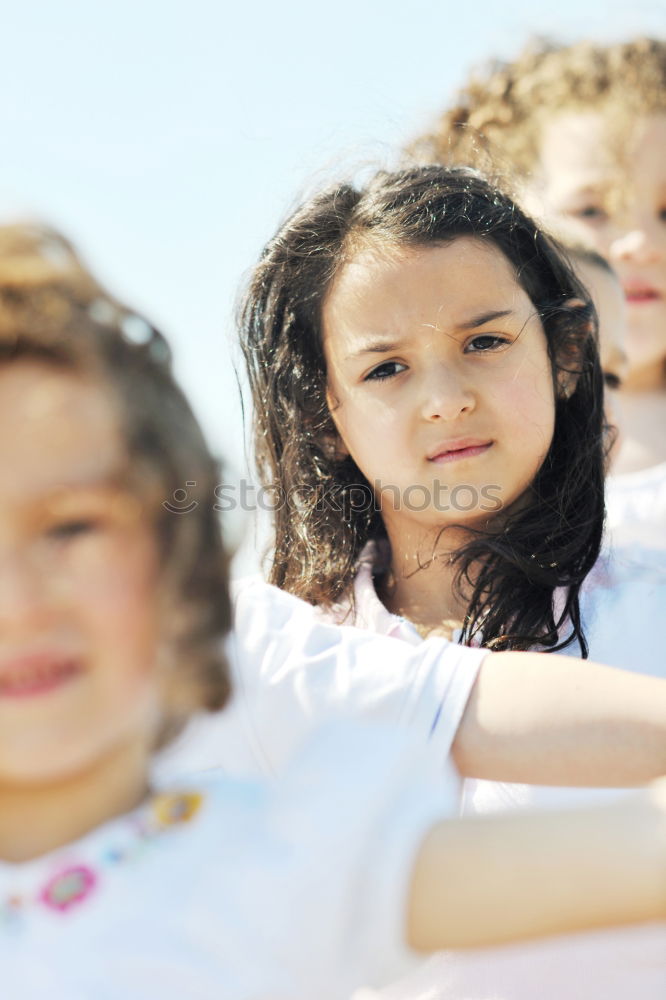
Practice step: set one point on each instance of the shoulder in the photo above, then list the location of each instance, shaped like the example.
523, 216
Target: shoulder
291, 671
257, 603
271, 625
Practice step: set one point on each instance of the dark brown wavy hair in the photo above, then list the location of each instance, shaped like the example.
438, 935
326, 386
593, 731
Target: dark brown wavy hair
551, 542
54, 311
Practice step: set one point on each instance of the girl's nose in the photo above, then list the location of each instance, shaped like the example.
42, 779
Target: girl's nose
640, 245
447, 394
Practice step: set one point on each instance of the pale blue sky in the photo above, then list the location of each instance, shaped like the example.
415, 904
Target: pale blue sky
169, 139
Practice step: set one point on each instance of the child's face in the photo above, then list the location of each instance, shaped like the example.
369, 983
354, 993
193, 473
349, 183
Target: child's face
78, 573
440, 384
615, 200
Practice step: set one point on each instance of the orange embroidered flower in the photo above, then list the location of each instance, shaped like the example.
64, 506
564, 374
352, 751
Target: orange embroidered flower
171, 809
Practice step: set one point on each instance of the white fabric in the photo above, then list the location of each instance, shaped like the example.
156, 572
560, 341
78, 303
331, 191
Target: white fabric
291, 671
292, 889
636, 508
622, 605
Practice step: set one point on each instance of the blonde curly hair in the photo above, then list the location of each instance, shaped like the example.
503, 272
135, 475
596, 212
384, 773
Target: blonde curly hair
495, 120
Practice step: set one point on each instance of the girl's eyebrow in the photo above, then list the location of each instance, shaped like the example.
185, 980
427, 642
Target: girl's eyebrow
375, 347
110, 483
485, 317
386, 346
597, 187
93, 483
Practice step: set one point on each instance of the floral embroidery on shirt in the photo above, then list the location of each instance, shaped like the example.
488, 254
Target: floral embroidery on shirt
69, 887
170, 809
76, 882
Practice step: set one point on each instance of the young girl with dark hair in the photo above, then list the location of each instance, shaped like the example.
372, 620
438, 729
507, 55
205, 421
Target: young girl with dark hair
511, 551
428, 394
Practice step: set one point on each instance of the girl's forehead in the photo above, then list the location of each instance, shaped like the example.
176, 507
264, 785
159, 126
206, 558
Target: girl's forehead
57, 429
389, 263
599, 150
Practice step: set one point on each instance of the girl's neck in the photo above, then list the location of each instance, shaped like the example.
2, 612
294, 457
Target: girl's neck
642, 415
36, 819
420, 585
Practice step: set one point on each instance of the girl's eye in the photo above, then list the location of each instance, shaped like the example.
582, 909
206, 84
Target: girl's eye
590, 213
64, 531
612, 381
486, 342
662, 214
386, 370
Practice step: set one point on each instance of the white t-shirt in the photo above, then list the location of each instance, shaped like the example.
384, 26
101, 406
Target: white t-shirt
623, 602
636, 508
234, 890
291, 671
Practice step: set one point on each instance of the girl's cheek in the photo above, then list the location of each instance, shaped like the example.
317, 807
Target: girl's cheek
109, 571
533, 406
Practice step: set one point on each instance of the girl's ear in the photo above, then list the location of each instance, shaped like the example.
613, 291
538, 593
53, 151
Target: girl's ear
333, 444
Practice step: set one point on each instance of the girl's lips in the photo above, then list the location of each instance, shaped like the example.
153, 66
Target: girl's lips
36, 674
455, 454
640, 294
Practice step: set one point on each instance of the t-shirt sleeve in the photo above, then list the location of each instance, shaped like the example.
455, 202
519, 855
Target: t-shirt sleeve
292, 672
343, 826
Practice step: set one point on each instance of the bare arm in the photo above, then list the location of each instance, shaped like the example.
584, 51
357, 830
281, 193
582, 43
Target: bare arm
489, 880
554, 720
